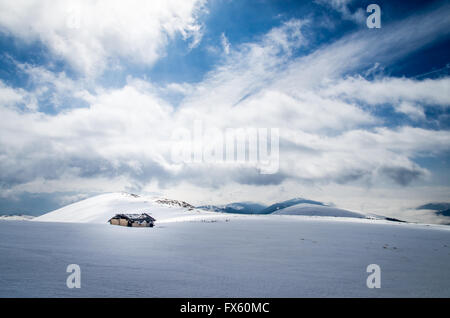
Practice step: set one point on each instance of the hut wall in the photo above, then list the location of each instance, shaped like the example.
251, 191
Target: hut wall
136, 224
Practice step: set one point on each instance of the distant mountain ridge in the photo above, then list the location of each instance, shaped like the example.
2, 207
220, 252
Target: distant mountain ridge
437, 206
285, 204
100, 208
318, 210
236, 207
444, 212
257, 208
295, 206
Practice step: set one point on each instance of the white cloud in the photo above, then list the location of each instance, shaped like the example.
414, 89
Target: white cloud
17, 98
10, 97
414, 111
393, 90
342, 6
225, 43
91, 34
55, 88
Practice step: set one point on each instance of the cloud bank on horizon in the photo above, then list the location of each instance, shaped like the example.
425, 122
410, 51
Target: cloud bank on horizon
91, 92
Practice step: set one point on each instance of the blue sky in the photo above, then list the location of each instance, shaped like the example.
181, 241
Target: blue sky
91, 93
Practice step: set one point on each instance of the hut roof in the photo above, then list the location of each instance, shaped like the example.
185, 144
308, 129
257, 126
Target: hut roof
134, 217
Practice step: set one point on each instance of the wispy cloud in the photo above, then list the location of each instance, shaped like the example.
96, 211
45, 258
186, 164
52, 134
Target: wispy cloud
342, 6
92, 34
225, 44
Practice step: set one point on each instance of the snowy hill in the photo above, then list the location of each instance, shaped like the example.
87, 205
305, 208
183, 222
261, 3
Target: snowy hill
101, 208
285, 204
236, 207
318, 210
296, 206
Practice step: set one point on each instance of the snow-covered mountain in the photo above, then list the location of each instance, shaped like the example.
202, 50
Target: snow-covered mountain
101, 208
257, 208
318, 210
438, 208
285, 204
444, 212
296, 206
235, 207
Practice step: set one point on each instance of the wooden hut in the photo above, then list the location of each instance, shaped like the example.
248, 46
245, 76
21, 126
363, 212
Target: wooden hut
132, 220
